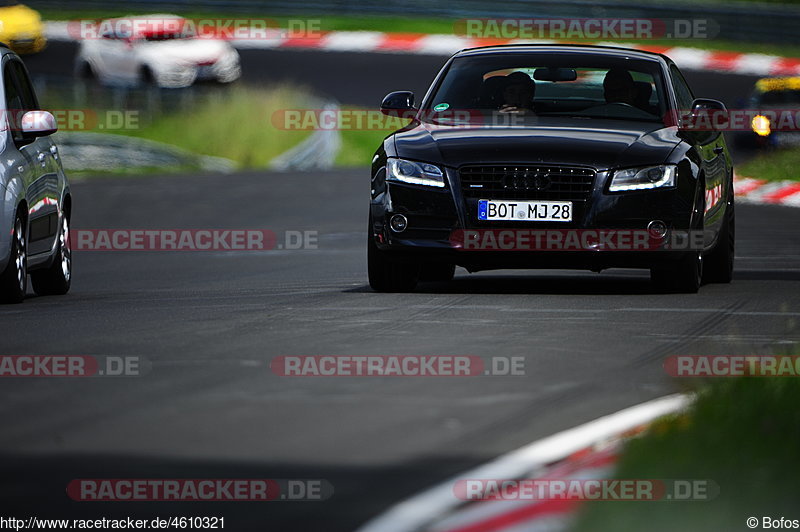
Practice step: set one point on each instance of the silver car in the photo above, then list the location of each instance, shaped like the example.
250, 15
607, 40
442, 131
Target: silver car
36, 202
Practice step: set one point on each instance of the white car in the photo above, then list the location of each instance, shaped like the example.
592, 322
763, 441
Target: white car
162, 50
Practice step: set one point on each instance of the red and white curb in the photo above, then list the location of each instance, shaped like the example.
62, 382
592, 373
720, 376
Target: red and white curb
587, 451
445, 45
758, 191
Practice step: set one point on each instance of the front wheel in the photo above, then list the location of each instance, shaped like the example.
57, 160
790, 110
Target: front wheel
719, 263
388, 274
684, 277
14, 279
147, 78
85, 71
56, 280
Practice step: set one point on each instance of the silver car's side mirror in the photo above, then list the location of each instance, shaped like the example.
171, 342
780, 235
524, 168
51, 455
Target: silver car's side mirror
38, 124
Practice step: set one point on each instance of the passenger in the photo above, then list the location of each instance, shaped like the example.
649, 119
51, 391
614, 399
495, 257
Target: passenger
618, 87
643, 92
518, 94
490, 96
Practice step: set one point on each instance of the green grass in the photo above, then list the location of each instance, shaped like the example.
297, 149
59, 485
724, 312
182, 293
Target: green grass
359, 145
773, 165
411, 24
235, 124
743, 434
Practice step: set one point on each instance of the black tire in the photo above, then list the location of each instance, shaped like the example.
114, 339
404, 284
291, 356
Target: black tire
56, 280
437, 272
146, 77
719, 263
85, 71
14, 279
387, 274
686, 275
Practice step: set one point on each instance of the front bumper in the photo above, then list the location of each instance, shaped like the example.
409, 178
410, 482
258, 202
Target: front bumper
181, 76
24, 44
439, 218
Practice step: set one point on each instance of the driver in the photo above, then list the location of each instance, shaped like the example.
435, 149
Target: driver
518, 94
618, 87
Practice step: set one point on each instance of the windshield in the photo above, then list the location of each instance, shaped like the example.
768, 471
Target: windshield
547, 84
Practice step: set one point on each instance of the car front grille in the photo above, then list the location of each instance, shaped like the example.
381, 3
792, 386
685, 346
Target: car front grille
533, 182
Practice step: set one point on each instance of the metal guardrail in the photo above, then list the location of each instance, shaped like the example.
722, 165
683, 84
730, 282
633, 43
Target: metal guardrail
746, 21
99, 152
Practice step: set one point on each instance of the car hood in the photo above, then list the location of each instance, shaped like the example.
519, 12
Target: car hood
599, 143
185, 51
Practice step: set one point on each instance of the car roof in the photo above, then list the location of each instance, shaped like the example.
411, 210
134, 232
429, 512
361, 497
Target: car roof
588, 49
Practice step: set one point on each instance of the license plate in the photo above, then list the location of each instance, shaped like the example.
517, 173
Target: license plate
525, 211
205, 72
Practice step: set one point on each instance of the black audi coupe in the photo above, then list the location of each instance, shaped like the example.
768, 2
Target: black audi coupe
553, 156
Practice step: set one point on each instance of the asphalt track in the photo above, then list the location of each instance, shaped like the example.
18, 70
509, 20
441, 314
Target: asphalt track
210, 322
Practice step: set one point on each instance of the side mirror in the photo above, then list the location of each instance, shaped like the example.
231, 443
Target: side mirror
400, 104
38, 124
706, 104
702, 116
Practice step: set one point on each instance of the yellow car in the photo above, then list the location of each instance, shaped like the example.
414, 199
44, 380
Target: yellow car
774, 102
21, 28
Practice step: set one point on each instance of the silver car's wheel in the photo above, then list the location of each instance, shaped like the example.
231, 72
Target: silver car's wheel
65, 248
14, 280
21, 260
57, 278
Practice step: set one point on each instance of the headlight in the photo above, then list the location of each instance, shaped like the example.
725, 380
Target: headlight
414, 173
760, 125
643, 178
